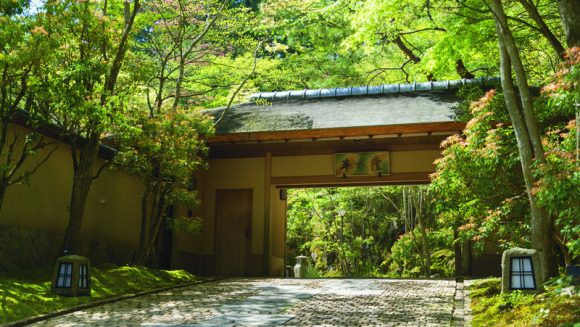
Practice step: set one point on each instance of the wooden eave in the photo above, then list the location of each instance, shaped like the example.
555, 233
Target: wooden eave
316, 147
336, 132
333, 181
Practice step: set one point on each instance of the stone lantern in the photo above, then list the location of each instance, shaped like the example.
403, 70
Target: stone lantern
520, 270
71, 276
301, 266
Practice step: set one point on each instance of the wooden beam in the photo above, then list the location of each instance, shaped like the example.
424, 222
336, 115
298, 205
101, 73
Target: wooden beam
336, 132
267, 199
416, 143
333, 181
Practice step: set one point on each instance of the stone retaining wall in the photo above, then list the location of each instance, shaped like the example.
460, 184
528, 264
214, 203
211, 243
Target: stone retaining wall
22, 248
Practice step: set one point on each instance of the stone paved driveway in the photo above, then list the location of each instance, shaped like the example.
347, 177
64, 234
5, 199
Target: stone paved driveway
274, 302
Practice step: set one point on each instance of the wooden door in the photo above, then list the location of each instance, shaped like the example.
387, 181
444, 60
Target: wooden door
233, 232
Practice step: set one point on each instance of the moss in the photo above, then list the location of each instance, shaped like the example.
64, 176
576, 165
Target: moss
551, 308
27, 293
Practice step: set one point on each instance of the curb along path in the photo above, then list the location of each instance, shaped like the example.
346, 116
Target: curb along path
97, 303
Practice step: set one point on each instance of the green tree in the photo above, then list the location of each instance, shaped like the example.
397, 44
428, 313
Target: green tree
469, 200
91, 40
166, 150
304, 48
558, 180
23, 45
175, 58
525, 124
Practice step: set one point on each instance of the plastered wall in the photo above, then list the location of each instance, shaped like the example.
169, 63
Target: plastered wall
113, 205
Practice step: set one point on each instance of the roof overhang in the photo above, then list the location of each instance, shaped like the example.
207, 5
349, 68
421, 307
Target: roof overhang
339, 133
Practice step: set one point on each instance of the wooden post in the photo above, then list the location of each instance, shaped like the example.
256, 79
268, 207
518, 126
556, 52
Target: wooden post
267, 199
458, 258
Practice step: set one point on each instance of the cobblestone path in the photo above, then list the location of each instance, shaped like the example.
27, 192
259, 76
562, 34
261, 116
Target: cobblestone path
275, 302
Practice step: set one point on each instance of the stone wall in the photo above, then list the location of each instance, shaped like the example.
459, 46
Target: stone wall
22, 248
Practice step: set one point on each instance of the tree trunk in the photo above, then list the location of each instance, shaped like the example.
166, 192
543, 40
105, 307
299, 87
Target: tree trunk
159, 216
541, 224
152, 222
544, 29
563, 249
179, 81
408, 52
3, 187
531, 122
140, 257
462, 70
570, 17
82, 180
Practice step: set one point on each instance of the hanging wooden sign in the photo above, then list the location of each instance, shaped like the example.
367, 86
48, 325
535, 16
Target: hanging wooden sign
362, 164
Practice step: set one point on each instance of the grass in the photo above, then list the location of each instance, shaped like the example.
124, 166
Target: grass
27, 293
559, 305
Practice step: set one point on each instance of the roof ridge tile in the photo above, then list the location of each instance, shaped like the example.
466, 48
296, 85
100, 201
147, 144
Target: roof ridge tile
308, 94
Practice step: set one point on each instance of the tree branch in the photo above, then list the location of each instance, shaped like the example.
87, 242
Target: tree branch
36, 167
120, 55
543, 28
423, 30
103, 166
241, 85
408, 52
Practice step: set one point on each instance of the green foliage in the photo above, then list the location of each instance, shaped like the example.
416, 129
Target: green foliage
311, 57
199, 49
469, 94
558, 185
27, 293
86, 40
13, 7
347, 229
184, 58
165, 151
564, 89
505, 302
479, 206
557, 307
361, 232
485, 288
169, 145
404, 259
311, 272
23, 47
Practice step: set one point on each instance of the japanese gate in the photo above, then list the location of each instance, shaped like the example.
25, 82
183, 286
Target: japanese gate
289, 139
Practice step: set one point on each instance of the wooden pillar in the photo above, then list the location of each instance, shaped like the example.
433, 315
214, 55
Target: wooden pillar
267, 199
458, 258
466, 250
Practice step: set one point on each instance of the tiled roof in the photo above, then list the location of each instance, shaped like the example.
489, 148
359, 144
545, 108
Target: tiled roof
384, 105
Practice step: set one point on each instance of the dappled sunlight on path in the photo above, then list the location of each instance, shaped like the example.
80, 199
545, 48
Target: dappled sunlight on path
274, 302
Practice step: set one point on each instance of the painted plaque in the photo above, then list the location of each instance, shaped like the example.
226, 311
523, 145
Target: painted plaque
361, 164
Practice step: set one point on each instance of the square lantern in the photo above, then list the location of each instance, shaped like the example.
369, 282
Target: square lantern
71, 276
520, 270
